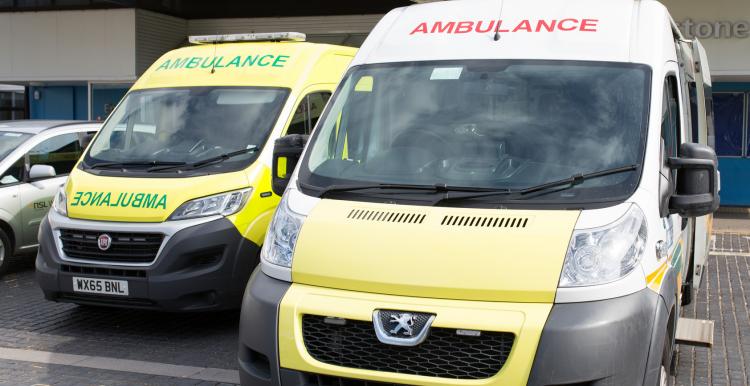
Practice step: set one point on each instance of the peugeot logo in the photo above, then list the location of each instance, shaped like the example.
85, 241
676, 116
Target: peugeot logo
401, 328
402, 322
104, 241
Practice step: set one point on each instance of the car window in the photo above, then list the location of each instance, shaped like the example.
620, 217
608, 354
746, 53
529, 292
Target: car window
308, 112
61, 152
14, 174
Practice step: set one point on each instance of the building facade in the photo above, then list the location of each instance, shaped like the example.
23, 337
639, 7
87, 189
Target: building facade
75, 59
723, 26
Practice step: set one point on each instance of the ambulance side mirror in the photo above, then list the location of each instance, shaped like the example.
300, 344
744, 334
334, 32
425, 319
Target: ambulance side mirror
286, 153
697, 185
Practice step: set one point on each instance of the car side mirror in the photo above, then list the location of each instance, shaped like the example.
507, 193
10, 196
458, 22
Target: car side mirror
287, 151
39, 172
697, 189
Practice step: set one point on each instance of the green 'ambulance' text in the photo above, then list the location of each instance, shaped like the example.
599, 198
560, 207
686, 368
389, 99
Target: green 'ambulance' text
122, 200
222, 62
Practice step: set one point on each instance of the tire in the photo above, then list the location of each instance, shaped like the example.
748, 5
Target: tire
6, 250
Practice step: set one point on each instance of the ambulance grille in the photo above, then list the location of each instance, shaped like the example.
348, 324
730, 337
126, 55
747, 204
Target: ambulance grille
126, 247
444, 354
485, 221
386, 216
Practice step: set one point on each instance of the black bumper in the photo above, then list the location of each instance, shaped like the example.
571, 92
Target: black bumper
601, 343
608, 342
201, 268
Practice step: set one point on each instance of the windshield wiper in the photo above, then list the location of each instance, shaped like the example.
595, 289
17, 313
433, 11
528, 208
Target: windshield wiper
437, 188
569, 182
207, 161
153, 163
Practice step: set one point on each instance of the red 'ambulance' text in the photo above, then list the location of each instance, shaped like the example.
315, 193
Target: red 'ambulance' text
484, 26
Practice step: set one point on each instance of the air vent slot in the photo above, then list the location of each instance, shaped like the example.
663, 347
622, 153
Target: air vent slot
386, 216
485, 221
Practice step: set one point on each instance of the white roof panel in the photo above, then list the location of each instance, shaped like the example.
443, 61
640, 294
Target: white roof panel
529, 29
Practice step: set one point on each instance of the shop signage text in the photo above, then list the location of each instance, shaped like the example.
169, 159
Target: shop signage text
715, 29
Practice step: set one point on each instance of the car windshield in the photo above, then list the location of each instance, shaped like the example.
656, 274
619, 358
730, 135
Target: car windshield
490, 124
187, 126
9, 141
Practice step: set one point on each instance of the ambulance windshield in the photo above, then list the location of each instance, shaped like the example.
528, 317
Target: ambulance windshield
183, 127
490, 124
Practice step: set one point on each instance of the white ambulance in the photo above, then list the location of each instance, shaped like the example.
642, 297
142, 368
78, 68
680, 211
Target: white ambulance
501, 192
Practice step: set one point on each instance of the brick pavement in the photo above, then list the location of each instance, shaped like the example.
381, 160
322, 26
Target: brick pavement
28, 321
14, 373
723, 298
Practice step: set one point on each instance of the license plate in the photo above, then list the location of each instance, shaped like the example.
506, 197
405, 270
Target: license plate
100, 286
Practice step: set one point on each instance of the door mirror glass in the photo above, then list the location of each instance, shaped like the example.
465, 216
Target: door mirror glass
287, 151
39, 172
697, 183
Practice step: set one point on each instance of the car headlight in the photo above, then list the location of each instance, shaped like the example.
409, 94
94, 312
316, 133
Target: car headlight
60, 203
281, 236
606, 254
224, 204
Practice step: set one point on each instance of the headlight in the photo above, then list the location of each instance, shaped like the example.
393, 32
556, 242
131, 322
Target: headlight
281, 237
224, 204
60, 203
603, 255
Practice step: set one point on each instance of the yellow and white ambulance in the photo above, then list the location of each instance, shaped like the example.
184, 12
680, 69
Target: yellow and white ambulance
500, 192
169, 206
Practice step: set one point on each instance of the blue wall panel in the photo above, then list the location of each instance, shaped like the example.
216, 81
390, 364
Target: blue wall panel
108, 97
58, 102
735, 181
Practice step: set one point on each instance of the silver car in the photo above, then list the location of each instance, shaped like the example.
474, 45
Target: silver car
35, 159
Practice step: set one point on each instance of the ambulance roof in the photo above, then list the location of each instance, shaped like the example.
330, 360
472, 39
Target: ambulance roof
596, 30
265, 64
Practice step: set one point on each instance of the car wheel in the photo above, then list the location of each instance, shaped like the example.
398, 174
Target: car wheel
5, 252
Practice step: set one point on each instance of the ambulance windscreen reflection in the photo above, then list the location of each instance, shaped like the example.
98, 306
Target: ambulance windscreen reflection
485, 125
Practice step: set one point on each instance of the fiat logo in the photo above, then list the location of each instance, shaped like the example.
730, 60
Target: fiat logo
104, 242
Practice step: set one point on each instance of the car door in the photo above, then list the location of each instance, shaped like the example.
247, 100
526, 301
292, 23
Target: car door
679, 235
61, 152
10, 201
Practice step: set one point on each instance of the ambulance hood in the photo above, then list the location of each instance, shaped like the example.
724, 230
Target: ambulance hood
435, 252
92, 197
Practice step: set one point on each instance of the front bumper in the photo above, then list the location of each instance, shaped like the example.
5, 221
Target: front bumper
199, 268
591, 344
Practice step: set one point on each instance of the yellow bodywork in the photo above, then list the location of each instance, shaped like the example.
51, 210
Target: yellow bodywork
298, 66
525, 320
437, 257
476, 269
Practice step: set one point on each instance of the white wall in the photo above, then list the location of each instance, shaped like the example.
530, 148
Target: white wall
729, 57
156, 34
348, 30
67, 45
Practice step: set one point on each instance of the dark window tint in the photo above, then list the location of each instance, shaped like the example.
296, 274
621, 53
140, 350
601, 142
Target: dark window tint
61, 152
695, 124
728, 122
670, 123
14, 174
308, 112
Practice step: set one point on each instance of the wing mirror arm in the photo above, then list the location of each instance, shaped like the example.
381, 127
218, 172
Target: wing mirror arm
287, 151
